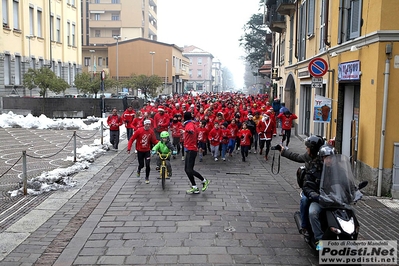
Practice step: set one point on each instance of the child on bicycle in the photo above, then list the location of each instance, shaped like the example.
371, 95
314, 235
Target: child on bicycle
164, 147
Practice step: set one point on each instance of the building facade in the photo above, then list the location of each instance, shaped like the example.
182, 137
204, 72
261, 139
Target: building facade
37, 34
200, 70
346, 53
217, 74
147, 57
107, 22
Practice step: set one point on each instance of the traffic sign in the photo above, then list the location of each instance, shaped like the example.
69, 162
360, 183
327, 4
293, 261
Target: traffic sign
318, 67
317, 83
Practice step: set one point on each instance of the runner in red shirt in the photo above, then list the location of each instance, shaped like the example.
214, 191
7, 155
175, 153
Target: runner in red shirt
190, 144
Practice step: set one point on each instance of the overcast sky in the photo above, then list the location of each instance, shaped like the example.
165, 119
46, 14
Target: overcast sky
212, 25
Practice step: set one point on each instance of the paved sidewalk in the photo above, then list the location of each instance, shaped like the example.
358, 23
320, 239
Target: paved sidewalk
114, 218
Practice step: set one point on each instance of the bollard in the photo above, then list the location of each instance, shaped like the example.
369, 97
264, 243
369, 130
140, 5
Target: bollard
74, 146
102, 132
24, 173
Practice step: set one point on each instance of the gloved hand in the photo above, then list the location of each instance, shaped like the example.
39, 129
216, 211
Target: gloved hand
314, 196
153, 152
174, 152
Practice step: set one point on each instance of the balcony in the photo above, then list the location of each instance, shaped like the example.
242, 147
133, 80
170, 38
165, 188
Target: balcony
275, 21
285, 7
105, 6
105, 23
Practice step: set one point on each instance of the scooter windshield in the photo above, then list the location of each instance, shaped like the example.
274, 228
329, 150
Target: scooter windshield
337, 184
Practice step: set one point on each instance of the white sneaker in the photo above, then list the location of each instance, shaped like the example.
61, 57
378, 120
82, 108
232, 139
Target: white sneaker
216, 159
182, 158
238, 148
135, 151
286, 147
224, 159
254, 151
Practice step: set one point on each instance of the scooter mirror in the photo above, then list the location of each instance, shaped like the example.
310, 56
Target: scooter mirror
363, 184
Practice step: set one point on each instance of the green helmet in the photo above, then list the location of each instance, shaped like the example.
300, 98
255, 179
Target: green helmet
164, 134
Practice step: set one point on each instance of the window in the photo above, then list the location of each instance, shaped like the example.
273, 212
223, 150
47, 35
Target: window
322, 27
115, 33
97, 1
69, 33
87, 61
97, 17
72, 2
16, 14
41, 63
17, 70
199, 73
39, 23
31, 23
350, 17
302, 32
191, 61
32, 63
199, 61
58, 29
100, 61
311, 17
73, 74
115, 1
59, 69
5, 12
7, 69
97, 33
73, 35
291, 47
52, 27
190, 73
69, 74
115, 17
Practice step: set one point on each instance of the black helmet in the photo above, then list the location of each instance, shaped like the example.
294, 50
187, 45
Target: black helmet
314, 143
327, 150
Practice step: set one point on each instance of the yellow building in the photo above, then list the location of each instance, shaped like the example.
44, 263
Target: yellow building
39, 33
359, 42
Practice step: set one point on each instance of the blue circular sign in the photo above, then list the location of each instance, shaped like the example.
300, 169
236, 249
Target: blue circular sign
318, 67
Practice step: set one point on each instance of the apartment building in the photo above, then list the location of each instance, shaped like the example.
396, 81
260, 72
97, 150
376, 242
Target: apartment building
107, 22
200, 69
142, 56
38, 33
346, 54
217, 76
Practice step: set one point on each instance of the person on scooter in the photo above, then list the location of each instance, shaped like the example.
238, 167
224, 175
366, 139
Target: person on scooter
313, 166
311, 189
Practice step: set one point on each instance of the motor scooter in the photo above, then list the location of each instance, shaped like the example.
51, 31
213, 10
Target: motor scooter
338, 193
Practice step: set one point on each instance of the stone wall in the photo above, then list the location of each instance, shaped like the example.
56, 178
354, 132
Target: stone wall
60, 107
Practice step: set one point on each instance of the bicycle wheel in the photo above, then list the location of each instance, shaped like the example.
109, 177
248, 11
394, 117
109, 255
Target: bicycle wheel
163, 176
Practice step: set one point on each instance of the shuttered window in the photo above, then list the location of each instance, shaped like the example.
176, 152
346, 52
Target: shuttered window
311, 17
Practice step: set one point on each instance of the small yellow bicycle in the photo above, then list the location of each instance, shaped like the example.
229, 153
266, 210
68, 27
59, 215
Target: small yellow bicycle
163, 171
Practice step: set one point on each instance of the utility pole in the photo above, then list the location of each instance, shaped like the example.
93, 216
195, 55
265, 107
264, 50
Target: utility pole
117, 62
152, 62
166, 74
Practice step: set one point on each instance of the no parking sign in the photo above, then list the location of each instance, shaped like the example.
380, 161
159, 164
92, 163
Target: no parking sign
318, 67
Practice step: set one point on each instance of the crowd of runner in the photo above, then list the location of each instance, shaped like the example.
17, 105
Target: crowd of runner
226, 122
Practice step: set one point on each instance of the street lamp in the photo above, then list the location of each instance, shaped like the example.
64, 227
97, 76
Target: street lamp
152, 62
92, 63
166, 75
117, 61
